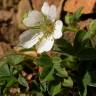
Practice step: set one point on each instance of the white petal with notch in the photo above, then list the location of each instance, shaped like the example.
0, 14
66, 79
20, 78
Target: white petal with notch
52, 12
32, 19
58, 29
28, 38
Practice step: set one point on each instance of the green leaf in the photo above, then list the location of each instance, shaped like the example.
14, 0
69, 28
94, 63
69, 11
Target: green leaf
44, 60
36, 93
3, 62
70, 61
63, 45
92, 84
55, 89
10, 83
43, 86
91, 31
80, 35
60, 71
88, 35
86, 82
14, 59
5, 71
69, 19
87, 54
92, 26
68, 82
45, 72
17, 69
35, 85
79, 41
56, 59
78, 14
49, 76
79, 38
22, 81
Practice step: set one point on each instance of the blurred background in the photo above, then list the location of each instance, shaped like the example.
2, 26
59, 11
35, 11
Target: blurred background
12, 11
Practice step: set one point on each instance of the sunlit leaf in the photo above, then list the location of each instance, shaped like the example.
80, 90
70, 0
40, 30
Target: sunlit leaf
62, 72
73, 18
68, 82
55, 89
92, 84
69, 19
92, 26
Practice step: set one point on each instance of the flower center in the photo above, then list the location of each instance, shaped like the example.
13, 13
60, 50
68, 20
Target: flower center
47, 27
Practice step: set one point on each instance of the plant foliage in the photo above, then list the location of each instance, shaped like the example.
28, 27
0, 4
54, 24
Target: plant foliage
68, 69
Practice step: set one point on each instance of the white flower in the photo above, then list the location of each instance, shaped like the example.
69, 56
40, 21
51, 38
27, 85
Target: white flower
47, 30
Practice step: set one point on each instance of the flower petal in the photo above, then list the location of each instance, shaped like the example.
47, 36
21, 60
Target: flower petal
28, 38
33, 18
58, 29
45, 8
52, 12
46, 44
